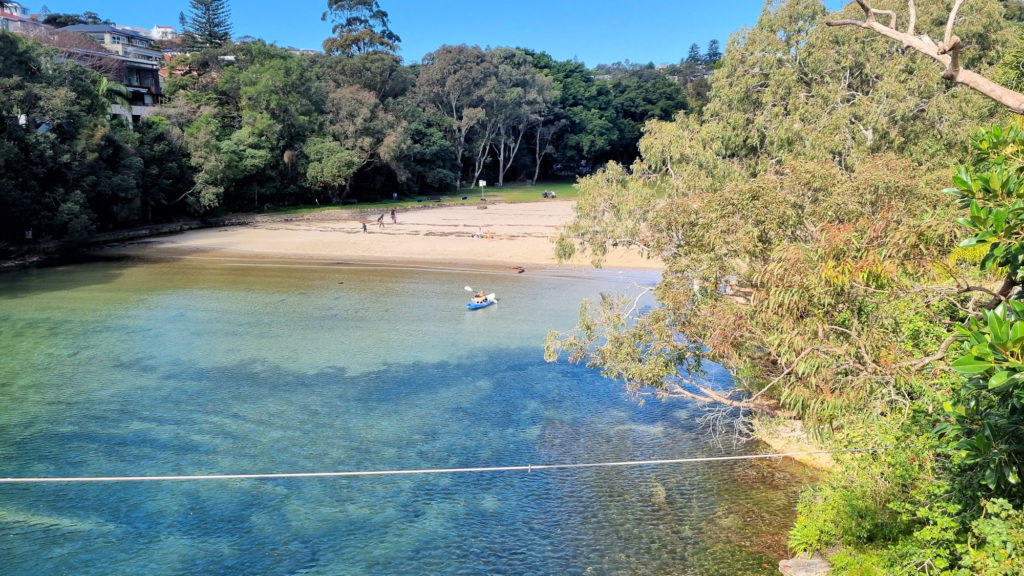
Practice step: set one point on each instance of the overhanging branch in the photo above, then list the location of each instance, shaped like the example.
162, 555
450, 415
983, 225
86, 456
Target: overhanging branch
948, 54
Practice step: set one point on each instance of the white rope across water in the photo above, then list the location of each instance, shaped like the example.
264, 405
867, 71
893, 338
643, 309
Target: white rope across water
526, 468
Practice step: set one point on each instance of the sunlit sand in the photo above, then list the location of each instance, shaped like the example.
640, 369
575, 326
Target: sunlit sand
500, 235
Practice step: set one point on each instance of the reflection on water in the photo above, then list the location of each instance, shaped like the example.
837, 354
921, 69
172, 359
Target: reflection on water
193, 368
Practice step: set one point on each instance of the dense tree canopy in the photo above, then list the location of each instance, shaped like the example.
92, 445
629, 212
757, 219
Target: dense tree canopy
810, 250
260, 126
66, 169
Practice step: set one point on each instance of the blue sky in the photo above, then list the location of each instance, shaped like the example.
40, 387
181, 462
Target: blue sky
592, 31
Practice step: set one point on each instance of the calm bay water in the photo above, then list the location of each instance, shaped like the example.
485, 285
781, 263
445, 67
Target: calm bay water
199, 367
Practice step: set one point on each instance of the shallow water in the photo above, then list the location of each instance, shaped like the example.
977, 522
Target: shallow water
199, 367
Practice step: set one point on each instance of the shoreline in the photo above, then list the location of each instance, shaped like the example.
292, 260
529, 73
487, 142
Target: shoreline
501, 236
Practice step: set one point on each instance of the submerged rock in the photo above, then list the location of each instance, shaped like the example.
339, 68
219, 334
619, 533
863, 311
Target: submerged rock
804, 566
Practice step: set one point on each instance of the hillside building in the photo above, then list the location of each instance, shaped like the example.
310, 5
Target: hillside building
140, 61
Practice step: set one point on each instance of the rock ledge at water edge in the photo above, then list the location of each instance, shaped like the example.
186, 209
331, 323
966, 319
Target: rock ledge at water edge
804, 566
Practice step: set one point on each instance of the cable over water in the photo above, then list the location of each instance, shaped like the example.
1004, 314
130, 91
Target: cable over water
520, 468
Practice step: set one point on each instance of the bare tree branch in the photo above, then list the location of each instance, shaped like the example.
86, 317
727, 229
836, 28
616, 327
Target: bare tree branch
913, 17
948, 54
77, 47
949, 23
780, 376
709, 396
892, 16
938, 355
1009, 285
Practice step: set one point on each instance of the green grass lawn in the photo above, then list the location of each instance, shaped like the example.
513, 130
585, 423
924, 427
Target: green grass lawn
527, 193
507, 193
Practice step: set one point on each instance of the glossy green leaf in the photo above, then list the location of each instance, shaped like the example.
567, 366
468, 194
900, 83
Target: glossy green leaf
1002, 380
969, 365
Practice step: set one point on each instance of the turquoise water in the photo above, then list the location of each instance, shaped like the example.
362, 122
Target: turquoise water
197, 367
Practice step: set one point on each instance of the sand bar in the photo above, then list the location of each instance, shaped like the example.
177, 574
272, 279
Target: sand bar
492, 236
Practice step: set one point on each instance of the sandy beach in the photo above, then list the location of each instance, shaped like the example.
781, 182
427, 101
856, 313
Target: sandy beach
491, 236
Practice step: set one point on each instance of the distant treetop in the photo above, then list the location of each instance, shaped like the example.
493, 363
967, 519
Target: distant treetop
360, 26
208, 24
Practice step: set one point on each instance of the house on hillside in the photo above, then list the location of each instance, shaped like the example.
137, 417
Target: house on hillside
14, 17
140, 62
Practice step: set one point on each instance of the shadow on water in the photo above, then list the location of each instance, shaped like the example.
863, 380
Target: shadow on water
101, 264
260, 417
52, 278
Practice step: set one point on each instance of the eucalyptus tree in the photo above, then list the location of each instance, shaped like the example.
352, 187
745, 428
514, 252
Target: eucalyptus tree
782, 215
451, 83
361, 127
808, 249
544, 132
359, 27
381, 73
517, 101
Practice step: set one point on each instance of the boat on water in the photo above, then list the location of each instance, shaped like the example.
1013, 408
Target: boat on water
488, 300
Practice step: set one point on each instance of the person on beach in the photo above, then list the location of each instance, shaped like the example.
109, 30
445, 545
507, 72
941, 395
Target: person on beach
394, 218
380, 221
364, 227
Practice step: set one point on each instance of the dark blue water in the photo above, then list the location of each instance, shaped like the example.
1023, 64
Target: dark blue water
196, 368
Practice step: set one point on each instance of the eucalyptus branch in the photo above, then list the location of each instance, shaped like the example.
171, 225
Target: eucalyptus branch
707, 395
949, 23
871, 367
1004, 292
892, 15
937, 355
948, 55
998, 297
186, 194
781, 376
636, 302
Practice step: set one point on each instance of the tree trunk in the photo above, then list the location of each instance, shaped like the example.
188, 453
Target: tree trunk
505, 161
538, 155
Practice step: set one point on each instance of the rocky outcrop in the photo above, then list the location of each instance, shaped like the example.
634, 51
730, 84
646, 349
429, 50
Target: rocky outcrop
815, 565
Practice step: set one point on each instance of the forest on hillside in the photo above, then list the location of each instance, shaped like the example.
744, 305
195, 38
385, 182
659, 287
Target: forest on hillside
247, 126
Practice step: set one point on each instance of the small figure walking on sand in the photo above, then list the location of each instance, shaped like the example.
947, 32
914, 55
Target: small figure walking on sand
394, 218
364, 227
380, 221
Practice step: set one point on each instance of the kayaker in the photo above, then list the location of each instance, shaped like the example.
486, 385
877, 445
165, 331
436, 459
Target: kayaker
480, 297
